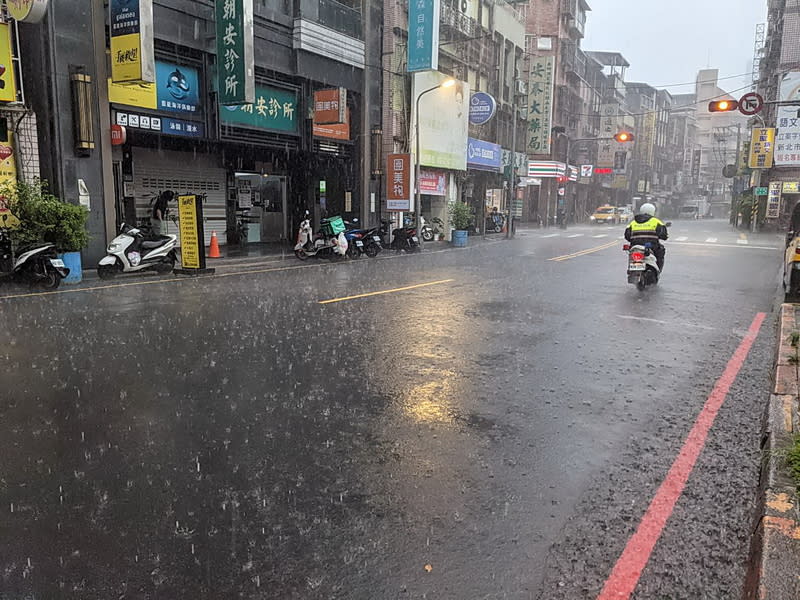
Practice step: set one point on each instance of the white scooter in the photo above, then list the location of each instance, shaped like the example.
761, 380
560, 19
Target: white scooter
131, 251
322, 246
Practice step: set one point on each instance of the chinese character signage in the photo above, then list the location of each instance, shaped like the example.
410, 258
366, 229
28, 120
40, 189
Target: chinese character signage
8, 85
131, 27
540, 104
150, 123
484, 156
432, 182
697, 156
762, 148
423, 35
235, 67
274, 108
330, 106
190, 213
774, 200
398, 182
787, 142
177, 89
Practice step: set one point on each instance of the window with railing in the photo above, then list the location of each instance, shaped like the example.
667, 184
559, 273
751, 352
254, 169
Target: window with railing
344, 18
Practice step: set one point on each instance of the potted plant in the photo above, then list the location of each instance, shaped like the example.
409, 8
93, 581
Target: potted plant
43, 217
461, 219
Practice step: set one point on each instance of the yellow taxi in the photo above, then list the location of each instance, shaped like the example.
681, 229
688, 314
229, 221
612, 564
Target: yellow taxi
791, 268
605, 214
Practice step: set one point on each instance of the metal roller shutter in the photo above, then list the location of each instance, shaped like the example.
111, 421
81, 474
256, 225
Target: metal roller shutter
184, 173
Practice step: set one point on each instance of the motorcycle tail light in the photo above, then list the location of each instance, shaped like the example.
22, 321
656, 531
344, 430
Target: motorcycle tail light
637, 257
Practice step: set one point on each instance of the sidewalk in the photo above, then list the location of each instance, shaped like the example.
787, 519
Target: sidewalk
256, 254
774, 572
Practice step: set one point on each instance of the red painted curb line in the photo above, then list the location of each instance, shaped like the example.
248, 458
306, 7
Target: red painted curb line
626, 573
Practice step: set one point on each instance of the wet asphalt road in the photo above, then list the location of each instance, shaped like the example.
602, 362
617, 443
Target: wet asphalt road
497, 435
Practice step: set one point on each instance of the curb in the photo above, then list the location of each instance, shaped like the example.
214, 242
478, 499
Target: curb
774, 566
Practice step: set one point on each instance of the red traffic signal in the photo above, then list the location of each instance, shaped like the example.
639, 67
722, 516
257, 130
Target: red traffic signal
624, 136
723, 106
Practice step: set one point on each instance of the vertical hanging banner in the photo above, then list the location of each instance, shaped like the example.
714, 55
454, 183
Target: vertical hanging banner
423, 35
762, 148
132, 55
787, 148
235, 60
398, 182
540, 104
774, 200
8, 85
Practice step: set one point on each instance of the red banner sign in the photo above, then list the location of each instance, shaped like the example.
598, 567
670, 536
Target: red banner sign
432, 183
398, 182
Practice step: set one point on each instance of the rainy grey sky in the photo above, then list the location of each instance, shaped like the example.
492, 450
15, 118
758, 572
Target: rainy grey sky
667, 42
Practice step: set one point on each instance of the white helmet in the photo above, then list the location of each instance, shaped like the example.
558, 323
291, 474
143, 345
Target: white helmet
648, 209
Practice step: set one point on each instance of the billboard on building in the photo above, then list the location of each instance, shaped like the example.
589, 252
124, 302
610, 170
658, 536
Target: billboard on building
330, 106
443, 122
235, 54
274, 109
787, 142
8, 84
423, 35
540, 104
132, 54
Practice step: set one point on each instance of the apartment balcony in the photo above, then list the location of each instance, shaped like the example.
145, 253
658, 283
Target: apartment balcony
456, 24
331, 29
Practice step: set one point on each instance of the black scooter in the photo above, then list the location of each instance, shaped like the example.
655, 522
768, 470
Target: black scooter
402, 238
35, 264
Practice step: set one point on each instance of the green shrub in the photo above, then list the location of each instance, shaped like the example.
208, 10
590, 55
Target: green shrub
460, 215
43, 217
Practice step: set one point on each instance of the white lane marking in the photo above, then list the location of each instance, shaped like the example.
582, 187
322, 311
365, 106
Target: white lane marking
711, 241
633, 318
574, 235
723, 246
551, 235
602, 235
743, 242
683, 238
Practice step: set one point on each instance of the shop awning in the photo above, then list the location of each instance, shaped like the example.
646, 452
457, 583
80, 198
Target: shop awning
546, 168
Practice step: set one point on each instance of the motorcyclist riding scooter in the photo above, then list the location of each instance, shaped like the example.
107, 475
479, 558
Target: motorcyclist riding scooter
646, 230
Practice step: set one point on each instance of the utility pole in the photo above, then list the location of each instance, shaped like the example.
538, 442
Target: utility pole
512, 171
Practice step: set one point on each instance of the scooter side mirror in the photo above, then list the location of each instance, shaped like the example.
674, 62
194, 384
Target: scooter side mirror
789, 238
668, 223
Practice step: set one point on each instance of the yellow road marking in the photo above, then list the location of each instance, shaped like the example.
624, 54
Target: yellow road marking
584, 252
392, 291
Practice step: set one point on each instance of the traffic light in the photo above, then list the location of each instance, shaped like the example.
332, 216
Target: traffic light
624, 136
723, 105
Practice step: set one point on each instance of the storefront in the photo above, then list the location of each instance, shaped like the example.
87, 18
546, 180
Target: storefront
484, 178
163, 145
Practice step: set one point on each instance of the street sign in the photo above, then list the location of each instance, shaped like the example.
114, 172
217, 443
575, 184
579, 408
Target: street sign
586, 170
750, 104
761, 191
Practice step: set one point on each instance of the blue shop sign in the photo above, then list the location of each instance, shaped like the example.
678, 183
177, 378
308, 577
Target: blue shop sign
484, 155
181, 128
482, 107
178, 88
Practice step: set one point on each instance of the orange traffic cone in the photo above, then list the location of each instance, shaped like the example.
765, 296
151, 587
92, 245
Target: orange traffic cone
213, 250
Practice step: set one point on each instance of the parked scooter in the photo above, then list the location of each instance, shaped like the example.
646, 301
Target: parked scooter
132, 251
36, 264
431, 233
362, 241
402, 238
322, 245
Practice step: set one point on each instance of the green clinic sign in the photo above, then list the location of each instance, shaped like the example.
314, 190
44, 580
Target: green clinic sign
761, 191
274, 109
235, 62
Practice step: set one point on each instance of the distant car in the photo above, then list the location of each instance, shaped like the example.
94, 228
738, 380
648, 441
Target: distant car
605, 214
689, 212
625, 214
